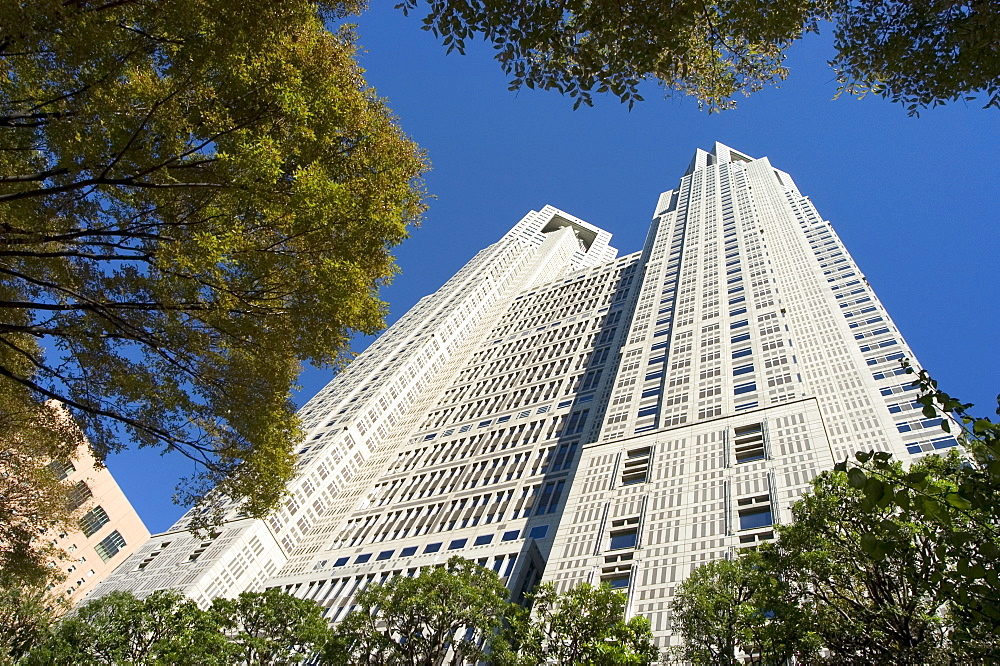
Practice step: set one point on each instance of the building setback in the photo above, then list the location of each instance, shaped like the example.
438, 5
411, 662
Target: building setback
557, 413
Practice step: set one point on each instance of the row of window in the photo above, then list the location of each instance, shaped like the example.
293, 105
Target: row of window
536, 532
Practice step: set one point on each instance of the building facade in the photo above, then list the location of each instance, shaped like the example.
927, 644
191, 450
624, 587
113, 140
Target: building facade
558, 413
109, 529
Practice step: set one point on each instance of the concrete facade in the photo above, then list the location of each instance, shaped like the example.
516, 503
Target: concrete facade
558, 413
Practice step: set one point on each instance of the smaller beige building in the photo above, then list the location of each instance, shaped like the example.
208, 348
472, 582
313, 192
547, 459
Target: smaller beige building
109, 528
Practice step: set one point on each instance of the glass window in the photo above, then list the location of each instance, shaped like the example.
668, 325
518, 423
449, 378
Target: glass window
457, 543
619, 582
361, 559
538, 532
110, 545
749, 443
385, 554
432, 547
624, 539
482, 540
510, 535
756, 517
61, 468
94, 520
79, 493
341, 561
409, 550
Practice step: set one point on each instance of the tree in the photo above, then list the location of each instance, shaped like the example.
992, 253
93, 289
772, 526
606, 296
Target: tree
958, 495
920, 53
272, 627
865, 609
166, 628
447, 614
195, 197
163, 628
586, 625
873, 574
740, 611
26, 613
857, 574
33, 502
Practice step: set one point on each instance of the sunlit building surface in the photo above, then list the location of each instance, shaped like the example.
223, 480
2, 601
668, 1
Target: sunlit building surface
107, 532
558, 413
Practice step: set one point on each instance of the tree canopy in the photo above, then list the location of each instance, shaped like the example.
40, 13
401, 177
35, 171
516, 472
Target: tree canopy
165, 628
957, 495
920, 53
864, 572
584, 626
34, 503
460, 613
455, 613
162, 628
455, 610
726, 611
195, 196
270, 628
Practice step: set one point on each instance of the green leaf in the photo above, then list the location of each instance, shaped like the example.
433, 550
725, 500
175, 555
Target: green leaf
873, 490
856, 478
957, 501
869, 543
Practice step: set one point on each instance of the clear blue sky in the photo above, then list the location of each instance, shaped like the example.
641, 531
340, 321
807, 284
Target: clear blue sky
914, 199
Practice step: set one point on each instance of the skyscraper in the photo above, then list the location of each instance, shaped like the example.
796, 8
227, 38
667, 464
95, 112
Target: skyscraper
557, 413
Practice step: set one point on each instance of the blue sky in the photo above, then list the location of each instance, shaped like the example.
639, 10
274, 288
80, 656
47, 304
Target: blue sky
914, 199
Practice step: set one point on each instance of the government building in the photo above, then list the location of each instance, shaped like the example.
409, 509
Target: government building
559, 413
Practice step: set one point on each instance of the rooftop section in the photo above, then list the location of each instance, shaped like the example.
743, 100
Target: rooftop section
585, 235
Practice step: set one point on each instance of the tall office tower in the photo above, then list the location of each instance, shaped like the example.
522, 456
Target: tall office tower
556, 413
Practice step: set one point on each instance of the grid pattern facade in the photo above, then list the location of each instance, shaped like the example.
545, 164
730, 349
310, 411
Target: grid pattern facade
557, 413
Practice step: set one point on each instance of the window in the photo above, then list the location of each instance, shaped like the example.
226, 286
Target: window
61, 468
510, 535
361, 559
409, 550
94, 520
755, 512
576, 422
385, 554
341, 561
538, 532
110, 545
79, 493
749, 443
748, 387
457, 543
618, 581
483, 540
624, 533
636, 468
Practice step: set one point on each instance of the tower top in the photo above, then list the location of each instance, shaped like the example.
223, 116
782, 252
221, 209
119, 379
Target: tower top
720, 153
